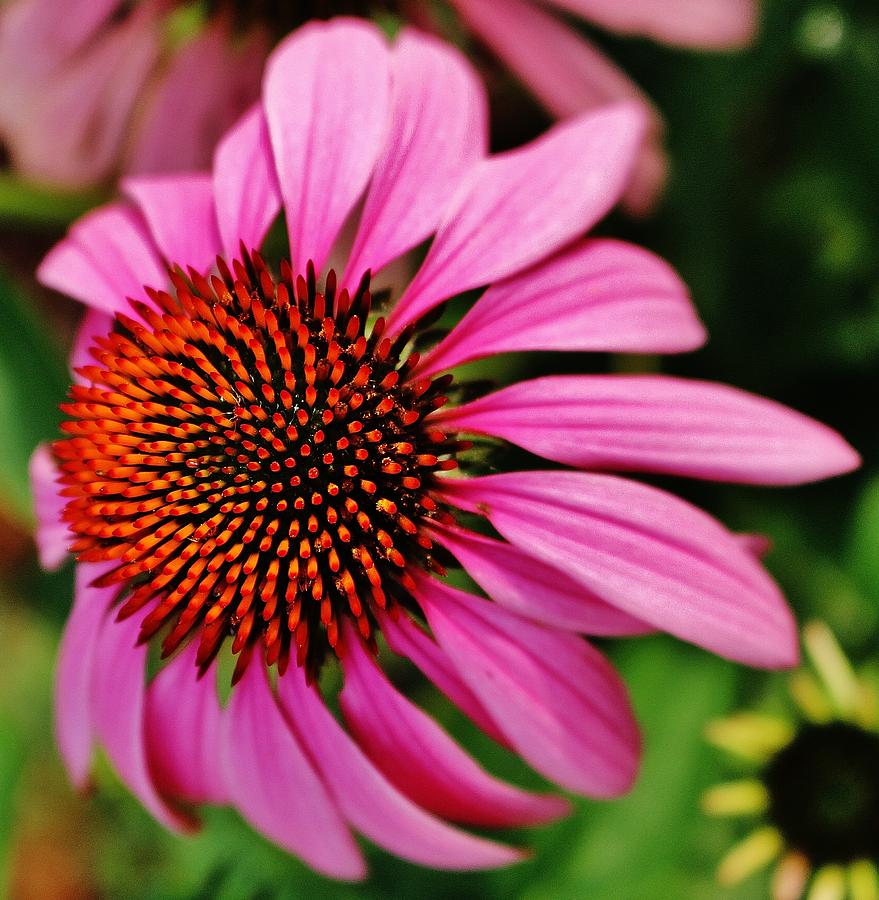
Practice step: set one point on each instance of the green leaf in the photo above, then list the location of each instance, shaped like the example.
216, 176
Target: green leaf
12, 756
863, 557
33, 380
25, 729
36, 205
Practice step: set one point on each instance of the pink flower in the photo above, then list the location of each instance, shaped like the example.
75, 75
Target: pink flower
98, 90
569, 75
252, 458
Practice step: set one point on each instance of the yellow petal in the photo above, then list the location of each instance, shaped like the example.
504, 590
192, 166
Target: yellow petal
751, 736
863, 880
828, 884
810, 697
736, 798
833, 668
750, 855
791, 876
867, 713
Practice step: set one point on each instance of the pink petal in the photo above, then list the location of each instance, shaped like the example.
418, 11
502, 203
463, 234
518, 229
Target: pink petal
32, 37
326, 99
565, 71
407, 639
274, 785
118, 688
51, 535
422, 761
206, 84
107, 256
519, 207
370, 802
568, 75
67, 124
655, 556
659, 424
556, 698
759, 545
649, 177
438, 130
525, 585
597, 295
74, 719
709, 24
180, 212
93, 324
183, 731
245, 183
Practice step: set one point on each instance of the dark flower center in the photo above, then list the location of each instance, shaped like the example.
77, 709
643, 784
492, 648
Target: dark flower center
255, 460
824, 793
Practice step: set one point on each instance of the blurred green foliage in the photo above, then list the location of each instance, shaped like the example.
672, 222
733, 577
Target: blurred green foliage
33, 381
772, 217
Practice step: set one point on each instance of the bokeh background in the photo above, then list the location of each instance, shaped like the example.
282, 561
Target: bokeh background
772, 216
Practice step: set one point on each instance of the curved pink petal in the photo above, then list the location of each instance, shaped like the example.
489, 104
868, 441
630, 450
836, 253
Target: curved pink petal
51, 535
205, 85
657, 423
568, 75
180, 213
655, 556
274, 785
408, 639
706, 24
118, 688
523, 584
325, 93
370, 802
597, 295
559, 702
516, 208
438, 129
94, 323
184, 730
107, 256
422, 761
74, 719
246, 188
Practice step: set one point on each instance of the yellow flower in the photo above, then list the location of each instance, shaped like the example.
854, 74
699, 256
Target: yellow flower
813, 788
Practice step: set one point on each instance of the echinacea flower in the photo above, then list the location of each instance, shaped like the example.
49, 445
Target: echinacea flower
814, 783
99, 87
253, 458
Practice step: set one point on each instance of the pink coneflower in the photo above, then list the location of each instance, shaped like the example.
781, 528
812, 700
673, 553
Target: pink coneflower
255, 462
99, 87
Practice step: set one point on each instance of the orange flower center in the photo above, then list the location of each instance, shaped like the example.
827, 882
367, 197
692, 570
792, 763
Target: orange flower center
255, 460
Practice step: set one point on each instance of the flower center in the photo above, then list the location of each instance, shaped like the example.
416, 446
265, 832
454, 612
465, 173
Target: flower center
824, 793
255, 461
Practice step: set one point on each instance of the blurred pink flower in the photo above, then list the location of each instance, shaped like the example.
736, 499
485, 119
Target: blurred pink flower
249, 461
99, 87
